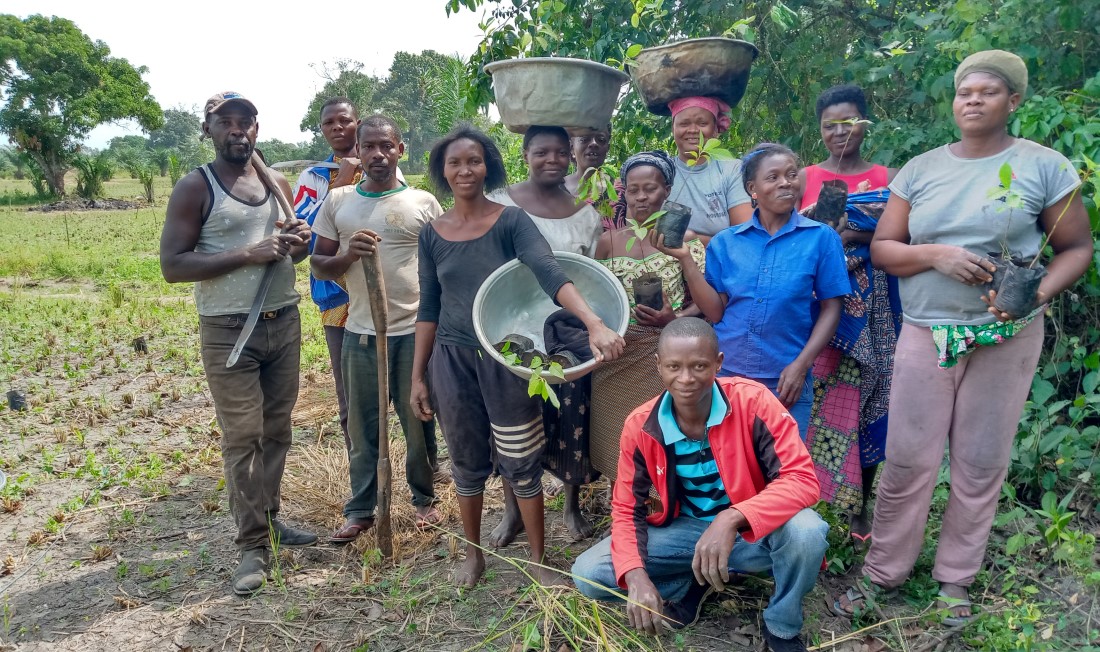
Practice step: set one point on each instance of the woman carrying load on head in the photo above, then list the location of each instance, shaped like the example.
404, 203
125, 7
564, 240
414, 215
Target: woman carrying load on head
575, 229
484, 410
763, 280
621, 386
711, 187
847, 433
962, 370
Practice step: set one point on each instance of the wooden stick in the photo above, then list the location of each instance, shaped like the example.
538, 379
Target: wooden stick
376, 290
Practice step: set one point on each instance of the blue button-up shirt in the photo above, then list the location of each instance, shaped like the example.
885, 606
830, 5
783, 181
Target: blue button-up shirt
771, 282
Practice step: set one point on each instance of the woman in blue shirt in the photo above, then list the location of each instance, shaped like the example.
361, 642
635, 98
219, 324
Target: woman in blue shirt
763, 279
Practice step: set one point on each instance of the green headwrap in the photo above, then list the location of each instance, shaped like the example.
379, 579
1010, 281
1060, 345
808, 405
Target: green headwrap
1005, 65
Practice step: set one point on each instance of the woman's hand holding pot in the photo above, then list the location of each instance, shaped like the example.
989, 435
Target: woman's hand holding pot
991, 296
605, 343
963, 266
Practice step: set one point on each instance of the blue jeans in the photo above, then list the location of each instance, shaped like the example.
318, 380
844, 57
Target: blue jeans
802, 407
792, 553
360, 373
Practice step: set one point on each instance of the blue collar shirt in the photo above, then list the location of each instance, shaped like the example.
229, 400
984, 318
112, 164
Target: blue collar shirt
771, 283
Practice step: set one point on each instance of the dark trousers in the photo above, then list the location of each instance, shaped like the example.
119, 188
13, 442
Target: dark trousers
253, 401
334, 338
360, 367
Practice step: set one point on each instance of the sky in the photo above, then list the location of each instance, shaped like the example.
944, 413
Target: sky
194, 50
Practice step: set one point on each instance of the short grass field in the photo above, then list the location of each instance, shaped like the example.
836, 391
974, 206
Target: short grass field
117, 535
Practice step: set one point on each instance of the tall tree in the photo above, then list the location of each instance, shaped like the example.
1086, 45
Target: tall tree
58, 85
345, 78
404, 96
181, 126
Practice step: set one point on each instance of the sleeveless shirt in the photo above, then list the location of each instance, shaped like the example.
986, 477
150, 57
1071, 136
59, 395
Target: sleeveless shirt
232, 224
878, 176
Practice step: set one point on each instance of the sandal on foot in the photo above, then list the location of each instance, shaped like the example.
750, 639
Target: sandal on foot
860, 542
862, 592
552, 487
950, 604
432, 517
351, 531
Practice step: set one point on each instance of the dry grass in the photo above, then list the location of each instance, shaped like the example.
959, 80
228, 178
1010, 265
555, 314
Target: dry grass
315, 483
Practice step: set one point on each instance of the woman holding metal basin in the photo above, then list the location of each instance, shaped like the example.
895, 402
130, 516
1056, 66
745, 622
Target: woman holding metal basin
484, 409
655, 287
575, 228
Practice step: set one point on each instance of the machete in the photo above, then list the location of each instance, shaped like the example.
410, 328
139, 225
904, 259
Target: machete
269, 271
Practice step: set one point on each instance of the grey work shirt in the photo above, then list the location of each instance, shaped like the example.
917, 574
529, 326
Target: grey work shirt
710, 190
951, 204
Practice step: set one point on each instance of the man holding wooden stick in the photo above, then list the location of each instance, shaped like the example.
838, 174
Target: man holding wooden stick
228, 231
378, 216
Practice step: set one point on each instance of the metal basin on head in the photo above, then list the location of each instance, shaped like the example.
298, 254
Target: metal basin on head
512, 301
555, 92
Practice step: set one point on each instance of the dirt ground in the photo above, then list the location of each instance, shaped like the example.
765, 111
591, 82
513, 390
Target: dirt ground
116, 534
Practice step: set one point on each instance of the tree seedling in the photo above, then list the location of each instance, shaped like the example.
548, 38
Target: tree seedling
712, 148
537, 385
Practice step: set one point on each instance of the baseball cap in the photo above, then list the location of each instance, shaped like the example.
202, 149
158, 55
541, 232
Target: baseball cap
225, 97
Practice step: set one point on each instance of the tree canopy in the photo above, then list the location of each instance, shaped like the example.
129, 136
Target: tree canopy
59, 85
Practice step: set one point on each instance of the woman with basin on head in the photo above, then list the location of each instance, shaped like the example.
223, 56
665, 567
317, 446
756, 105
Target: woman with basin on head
763, 280
576, 229
619, 387
484, 409
711, 188
962, 370
847, 433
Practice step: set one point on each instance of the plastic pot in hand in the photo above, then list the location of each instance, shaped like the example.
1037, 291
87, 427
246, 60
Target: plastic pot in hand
832, 202
674, 223
511, 301
1016, 292
555, 92
648, 291
715, 67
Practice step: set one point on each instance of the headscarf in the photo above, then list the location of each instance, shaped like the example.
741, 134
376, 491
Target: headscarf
658, 159
716, 106
1005, 65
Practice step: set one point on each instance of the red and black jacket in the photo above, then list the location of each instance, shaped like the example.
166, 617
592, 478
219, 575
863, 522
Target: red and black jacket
763, 463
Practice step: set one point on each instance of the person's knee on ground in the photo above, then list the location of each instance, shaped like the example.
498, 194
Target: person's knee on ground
594, 574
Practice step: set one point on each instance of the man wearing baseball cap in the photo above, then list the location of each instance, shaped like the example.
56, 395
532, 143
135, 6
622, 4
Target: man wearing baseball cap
221, 232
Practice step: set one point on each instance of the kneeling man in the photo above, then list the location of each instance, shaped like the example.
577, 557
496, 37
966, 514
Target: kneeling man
735, 484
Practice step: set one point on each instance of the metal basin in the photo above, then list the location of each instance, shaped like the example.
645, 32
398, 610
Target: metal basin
512, 301
715, 67
555, 92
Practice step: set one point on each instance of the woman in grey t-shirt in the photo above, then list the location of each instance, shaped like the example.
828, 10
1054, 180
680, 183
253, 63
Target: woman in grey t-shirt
962, 371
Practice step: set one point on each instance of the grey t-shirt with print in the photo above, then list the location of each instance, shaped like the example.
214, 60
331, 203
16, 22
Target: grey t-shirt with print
709, 190
951, 204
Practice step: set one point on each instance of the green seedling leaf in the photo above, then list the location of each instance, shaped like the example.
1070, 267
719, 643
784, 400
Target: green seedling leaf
556, 370
633, 50
1005, 174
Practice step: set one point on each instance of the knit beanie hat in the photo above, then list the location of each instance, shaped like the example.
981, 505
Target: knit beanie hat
1005, 65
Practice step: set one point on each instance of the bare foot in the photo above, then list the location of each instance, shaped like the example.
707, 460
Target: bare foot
579, 527
469, 573
550, 577
506, 532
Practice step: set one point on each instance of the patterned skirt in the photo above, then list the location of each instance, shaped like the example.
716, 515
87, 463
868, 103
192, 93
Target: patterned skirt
618, 387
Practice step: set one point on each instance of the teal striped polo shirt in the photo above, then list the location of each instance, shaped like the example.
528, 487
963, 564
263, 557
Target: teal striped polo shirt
702, 494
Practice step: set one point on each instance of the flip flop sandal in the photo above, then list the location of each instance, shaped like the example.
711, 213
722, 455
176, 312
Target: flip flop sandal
350, 532
433, 517
552, 487
859, 593
950, 603
860, 542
